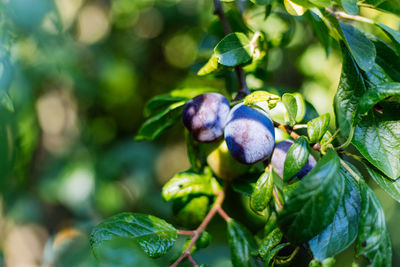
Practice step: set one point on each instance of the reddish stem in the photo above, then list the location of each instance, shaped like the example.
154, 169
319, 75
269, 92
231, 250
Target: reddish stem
196, 233
184, 232
223, 214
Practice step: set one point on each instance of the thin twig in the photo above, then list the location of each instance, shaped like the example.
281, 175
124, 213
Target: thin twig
223, 214
287, 129
196, 234
190, 258
340, 14
299, 126
350, 170
243, 89
184, 232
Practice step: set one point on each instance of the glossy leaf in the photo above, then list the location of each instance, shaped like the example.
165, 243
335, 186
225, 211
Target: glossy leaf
296, 157
156, 125
377, 137
188, 183
341, 233
317, 127
262, 192
269, 242
350, 90
377, 94
295, 106
360, 47
311, 207
155, 236
234, 49
293, 8
273, 253
391, 187
373, 240
241, 243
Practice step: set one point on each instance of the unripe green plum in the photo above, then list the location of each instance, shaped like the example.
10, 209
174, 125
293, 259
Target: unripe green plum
222, 163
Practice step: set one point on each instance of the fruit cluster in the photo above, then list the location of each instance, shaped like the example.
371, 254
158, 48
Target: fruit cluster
249, 136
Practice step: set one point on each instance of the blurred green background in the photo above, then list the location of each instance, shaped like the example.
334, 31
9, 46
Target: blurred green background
74, 78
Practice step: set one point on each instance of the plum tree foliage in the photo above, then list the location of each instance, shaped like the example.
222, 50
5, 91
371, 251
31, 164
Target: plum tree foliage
311, 196
303, 174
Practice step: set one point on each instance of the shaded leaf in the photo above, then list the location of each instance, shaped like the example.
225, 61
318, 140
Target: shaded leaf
373, 240
262, 192
311, 206
241, 243
156, 125
388, 60
341, 233
274, 252
377, 94
393, 35
320, 30
296, 157
188, 183
234, 49
155, 236
390, 6
317, 127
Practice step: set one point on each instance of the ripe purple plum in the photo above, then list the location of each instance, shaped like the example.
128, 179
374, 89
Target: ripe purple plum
249, 134
205, 116
279, 156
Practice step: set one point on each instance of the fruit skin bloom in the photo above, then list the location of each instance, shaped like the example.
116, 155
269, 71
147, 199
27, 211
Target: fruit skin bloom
205, 116
249, 134
279, 156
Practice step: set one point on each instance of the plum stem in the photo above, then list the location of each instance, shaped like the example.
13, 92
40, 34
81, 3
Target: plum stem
241, 76
216, 207
184, 232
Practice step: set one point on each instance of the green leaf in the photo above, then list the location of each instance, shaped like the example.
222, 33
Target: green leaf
360, 47
295, 106
350, 6
121, 252
269, 242
311, 207
262, 192
234, 49
392, 187
194, 152
390, 6
189, 183
155, 236
320, 30
388, 60
393, 35
350, 89
317, 127
190, 211
377, 137
244, 186
296, 157
262, 96
273, 253
377, 94
341, 233
262, 2
156, 125
241, 243
210, 66
160, 102
373, 240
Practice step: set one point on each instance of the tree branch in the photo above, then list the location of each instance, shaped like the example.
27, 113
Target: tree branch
243, 89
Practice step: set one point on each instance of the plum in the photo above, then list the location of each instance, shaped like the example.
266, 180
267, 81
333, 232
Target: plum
205, 116
249, 134
279, 156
